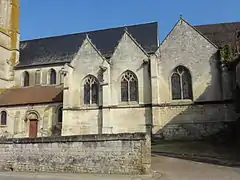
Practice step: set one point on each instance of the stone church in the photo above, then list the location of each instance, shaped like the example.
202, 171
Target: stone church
117, 80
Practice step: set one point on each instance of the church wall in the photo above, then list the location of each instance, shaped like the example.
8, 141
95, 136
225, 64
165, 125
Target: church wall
128, 56
86, 62
114, 120
5, 63
5, 40
5, 55
19, 78
191, 121
126, 119
78, 117
80, 121
17, 125
9, 41
115, 117
185, 46
128, 116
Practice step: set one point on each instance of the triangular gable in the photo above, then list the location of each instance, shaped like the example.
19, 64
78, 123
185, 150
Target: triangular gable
126, 33
88, 41
181, 19
94, 47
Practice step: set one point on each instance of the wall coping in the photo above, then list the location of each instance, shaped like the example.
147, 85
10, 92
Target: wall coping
77, 138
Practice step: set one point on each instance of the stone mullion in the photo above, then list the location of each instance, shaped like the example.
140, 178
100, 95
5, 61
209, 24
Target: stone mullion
181, 86
90, 92
129, 98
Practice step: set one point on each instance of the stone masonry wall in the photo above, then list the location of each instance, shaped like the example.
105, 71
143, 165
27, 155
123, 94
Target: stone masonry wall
192, 121
115, 153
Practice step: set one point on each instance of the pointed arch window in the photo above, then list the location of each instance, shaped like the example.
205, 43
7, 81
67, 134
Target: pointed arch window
181, 83
129, 87
3, 118
25, 79
52, 76
91, 90
37, 77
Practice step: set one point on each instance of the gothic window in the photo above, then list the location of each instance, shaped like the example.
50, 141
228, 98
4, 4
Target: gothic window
91, 90
60, 114
25, 79
3, 118
52, 76
181, 83
37, 77
129, 87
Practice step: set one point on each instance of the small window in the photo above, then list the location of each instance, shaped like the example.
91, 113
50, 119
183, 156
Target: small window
90, 90
3, 118
52, 76
129, 87
37, 77
25, 79
181, 83
60, 114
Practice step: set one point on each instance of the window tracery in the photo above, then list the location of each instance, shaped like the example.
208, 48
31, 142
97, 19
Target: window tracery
91, 90
181, 83
129, 87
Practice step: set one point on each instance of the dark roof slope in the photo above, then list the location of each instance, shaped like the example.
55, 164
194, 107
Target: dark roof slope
61, 49
31, 95
220, 34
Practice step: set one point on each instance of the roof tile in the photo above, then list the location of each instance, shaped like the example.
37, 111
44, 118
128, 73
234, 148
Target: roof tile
31, 95
62, 49
220, 34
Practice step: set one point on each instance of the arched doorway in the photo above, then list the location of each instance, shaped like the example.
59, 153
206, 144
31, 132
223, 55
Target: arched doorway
33, 124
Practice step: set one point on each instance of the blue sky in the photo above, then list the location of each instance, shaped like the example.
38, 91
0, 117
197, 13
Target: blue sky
43, 18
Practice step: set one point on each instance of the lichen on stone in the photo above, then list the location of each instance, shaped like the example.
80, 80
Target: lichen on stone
226, 53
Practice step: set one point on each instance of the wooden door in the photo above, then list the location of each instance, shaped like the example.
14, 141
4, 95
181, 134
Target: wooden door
33, 126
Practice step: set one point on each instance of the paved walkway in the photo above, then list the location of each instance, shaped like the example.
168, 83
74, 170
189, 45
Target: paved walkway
49, 176
164, 168
178, 169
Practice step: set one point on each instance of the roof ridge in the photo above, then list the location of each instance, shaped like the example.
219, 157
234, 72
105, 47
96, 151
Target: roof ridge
221, 23
85, 32
62, 49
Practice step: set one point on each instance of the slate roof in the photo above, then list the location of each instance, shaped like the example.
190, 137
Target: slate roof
61, 49
220, 34
31, 95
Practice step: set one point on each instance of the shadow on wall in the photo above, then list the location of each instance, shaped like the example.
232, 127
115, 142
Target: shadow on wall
147, 96
202, 119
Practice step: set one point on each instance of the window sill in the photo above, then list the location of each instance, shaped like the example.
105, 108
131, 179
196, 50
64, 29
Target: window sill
89, 105
182, 101
130, 103
3, 126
